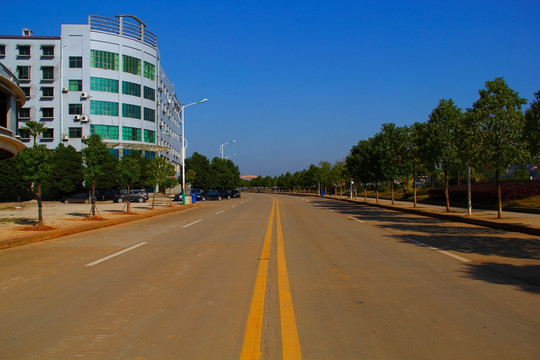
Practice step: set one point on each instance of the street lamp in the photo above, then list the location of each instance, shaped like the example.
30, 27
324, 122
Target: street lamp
183, 154
222, 145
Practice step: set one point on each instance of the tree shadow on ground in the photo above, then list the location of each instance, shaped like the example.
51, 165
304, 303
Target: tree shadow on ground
26, 222
527, 276
79, 214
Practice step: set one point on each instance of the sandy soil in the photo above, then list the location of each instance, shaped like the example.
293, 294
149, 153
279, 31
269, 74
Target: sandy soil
16, 218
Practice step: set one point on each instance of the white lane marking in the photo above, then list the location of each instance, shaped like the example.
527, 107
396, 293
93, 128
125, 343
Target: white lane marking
234, 206
115, 254
355, 219
219, 212
185, 226
460, 258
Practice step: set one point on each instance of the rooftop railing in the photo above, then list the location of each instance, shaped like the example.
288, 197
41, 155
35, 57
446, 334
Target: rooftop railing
120, 26
4, 71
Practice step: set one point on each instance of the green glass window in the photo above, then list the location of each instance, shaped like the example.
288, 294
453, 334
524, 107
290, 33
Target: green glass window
149, 114
149, 93
75, 85
149, 71
131, 65
130, 88
104, 131
103, 84
104, 60
150, 136
98, 107
75, 109
131, 134
131, 111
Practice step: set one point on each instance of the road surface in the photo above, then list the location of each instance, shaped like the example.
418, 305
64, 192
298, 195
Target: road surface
271, 277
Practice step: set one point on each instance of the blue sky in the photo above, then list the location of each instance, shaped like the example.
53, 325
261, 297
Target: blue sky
297, 82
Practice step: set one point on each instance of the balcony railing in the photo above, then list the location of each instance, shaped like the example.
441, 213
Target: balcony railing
122, 27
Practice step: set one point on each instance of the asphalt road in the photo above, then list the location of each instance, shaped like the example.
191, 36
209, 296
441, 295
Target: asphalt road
276, 277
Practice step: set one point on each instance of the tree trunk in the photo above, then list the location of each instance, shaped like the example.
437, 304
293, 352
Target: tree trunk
446, 195
365, 192
154, 197
93, 199
376, 193
392, 190
40, 205
499, 199
414, 186
469, 189
128, 203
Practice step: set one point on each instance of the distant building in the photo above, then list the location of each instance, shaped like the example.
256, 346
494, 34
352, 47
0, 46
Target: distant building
103, 78
11, 99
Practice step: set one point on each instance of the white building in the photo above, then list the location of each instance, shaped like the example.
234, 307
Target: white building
103, 78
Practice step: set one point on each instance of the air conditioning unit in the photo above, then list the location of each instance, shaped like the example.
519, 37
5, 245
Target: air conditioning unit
65, 90
84, 118
77, 117
85, 137
65, 138
84, 95
161, 124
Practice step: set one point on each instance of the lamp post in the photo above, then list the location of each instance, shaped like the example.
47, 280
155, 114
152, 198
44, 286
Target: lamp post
183, 154
222, 145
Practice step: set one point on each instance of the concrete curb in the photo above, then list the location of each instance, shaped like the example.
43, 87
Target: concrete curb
86, 226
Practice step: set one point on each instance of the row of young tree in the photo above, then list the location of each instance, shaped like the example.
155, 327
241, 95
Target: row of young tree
53, 174
490, 137
218, 174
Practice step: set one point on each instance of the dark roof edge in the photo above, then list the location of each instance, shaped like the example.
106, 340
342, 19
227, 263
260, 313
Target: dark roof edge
19, 37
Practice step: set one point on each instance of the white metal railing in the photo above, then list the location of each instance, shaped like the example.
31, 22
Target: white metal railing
120, 26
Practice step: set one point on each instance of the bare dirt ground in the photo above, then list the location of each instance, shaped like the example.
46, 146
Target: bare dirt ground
20, 219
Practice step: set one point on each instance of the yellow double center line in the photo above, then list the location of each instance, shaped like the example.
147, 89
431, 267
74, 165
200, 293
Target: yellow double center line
251, 348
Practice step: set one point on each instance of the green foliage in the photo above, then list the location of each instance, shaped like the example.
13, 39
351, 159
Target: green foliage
225, 174
160, 173
532, 129
201, 166
13, 186
67, 173
129, 172
97, 160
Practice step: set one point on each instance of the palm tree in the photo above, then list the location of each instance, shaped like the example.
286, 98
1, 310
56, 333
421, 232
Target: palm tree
34, 129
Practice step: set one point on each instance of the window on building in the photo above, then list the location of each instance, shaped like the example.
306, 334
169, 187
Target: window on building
48, 134
149, 93
47, 113
26, 91
48, 73
23, 72
47, 51
102, 84
98, 107
131, 134
24, 50
149, 71
129, 88
47, 92
103, 60
75, 109
149, 114
150, 136
104, 131
75, 85
131, 65
24, 134
131, 111
75, 132
75, 62
2, 50
24, 113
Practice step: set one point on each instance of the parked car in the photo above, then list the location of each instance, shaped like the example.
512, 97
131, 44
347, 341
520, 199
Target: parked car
196, 192
137, 197
141, 192
236, 193
105, 194
225, 194
77, 198
211, 195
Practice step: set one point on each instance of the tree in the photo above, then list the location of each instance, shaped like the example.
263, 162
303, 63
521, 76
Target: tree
392, 152
36, 165
225, 174
442, 123
67, 171
13, 186
159, 171
96, 156
358, 165
129, 172
416, 140
201, 166
502, 124
532, 128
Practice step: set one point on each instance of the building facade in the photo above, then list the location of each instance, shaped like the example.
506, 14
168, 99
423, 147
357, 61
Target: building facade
11, 99
102, 78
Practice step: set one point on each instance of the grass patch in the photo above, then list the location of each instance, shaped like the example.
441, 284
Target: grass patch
532, 202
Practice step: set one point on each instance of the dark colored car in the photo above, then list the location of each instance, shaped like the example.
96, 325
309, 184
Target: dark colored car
102, 195
225, 194
77, 198
211, 195
137, 197
141, 192
196, 192
236, 193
